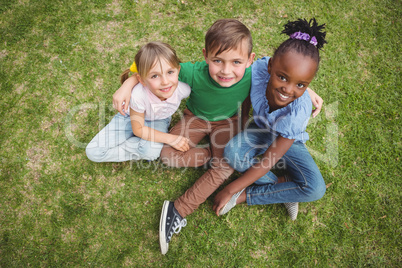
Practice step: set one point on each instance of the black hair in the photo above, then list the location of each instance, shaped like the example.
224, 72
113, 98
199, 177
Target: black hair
303, 46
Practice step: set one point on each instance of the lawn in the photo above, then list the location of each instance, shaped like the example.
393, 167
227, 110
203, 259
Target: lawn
60, 63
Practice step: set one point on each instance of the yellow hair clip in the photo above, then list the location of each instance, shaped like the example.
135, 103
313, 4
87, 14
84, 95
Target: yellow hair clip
133, 68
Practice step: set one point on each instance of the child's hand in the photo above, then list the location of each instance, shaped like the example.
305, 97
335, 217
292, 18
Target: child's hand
316, 100
180, 143
121, 100
221, 199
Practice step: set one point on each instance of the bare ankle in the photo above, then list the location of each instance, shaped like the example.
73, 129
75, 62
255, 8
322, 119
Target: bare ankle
242, 198
281, 179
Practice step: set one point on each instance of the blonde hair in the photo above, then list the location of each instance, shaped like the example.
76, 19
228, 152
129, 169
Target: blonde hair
227, 34
149, 55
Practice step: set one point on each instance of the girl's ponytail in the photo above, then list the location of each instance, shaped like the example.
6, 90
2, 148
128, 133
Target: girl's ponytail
305, 37
307, 31
124, 76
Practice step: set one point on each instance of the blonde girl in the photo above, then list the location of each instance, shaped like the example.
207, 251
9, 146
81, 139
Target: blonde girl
141, 133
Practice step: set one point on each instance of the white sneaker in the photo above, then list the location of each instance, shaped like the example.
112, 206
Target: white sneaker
232, 202
293, 209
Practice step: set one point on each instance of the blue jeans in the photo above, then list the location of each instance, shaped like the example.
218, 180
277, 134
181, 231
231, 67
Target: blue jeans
116, 141
305, 182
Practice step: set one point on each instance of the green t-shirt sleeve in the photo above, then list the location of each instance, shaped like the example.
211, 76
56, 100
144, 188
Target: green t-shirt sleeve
186, 74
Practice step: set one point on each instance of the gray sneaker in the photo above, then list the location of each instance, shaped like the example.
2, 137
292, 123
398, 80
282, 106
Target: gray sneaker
170, 223
293, 209
232, 202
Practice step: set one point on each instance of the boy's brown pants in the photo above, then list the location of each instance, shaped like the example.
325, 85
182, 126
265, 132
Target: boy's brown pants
195, 129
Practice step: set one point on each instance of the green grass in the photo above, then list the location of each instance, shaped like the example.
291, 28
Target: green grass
59, 66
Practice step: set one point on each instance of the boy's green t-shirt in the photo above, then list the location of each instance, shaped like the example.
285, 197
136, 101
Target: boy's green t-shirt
208, 100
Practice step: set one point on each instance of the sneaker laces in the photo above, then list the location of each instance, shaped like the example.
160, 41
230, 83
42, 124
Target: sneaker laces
177, 225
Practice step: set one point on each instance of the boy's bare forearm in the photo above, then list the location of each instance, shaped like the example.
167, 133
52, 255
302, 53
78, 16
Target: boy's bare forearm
316, 100
130, 83
121, 97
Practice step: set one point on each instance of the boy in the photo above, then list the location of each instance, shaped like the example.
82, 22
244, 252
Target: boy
218, 85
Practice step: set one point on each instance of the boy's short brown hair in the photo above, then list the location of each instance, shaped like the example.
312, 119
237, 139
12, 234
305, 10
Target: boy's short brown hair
226, 34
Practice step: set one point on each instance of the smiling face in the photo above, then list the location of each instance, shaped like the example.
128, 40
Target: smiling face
162, 79
291, 73
228, 67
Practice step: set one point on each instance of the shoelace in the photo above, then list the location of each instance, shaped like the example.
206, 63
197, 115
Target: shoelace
177, 225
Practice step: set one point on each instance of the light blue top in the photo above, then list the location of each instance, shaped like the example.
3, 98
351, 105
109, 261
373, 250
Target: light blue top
290, 121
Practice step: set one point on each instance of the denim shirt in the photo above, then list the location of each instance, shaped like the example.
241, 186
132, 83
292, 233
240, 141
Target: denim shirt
290, 121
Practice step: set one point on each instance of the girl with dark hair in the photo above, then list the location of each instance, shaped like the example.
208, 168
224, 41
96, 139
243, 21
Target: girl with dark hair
282, 108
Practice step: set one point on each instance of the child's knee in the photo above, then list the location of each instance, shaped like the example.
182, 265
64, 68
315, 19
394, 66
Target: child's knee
94, 154
229, 153
321, 189
317, 188
234, 157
